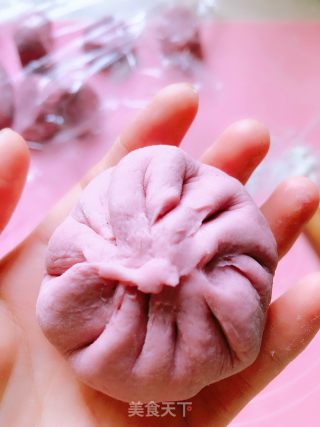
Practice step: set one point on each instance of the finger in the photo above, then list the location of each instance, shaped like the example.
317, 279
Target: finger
165, 120
14, 162
288, 209
8, 347
292, 322
312, 231
239, 149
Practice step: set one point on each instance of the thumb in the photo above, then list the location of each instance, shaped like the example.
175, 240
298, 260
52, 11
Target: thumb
14, 163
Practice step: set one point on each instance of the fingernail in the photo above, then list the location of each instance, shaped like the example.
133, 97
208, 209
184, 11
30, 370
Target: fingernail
5, 130
194, 88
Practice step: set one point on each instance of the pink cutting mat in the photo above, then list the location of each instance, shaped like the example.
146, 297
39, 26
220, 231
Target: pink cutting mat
269, 71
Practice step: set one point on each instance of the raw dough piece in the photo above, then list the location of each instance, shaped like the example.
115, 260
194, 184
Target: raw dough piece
159, 280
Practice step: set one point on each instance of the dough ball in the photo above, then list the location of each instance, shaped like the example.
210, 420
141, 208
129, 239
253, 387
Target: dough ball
158, 282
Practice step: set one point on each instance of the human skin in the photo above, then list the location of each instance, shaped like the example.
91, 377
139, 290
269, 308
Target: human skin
32, 371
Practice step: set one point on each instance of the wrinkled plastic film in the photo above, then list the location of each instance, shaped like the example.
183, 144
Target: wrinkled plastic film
65, 48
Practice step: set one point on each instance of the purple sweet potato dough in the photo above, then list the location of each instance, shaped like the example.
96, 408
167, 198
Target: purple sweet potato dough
109, 41
158, 282
33, 37
179, 32
46, 107
6, 99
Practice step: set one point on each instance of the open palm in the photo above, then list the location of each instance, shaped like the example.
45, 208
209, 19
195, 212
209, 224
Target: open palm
36, 385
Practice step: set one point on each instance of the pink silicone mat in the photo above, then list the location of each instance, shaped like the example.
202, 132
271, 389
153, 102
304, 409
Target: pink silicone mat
269, 71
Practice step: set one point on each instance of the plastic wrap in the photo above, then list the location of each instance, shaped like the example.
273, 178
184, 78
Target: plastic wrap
61, 49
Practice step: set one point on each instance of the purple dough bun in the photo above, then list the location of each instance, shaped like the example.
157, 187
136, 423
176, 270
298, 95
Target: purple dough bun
159, 280
33, 37
6, 99
54, 107
109, 41
179, 32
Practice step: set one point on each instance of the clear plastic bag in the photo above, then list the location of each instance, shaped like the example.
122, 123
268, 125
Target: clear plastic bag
61, 47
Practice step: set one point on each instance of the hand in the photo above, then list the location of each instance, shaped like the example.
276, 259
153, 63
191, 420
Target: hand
37, 386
